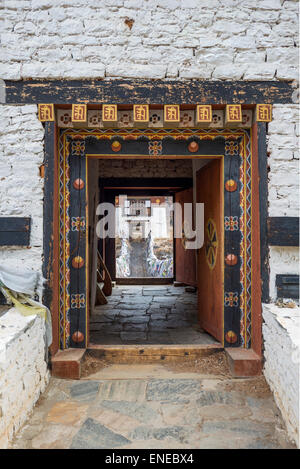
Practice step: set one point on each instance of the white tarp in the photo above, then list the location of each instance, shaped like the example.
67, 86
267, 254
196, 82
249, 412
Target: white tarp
19, 287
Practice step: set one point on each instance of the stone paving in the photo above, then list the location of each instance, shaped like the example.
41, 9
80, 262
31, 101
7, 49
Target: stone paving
151, 408
138, 259
138, 314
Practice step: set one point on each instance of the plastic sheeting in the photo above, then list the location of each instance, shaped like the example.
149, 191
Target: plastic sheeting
18, 287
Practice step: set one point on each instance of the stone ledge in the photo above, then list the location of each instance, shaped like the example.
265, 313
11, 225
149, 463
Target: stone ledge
12, 326
281, 332
23, 369
288, 319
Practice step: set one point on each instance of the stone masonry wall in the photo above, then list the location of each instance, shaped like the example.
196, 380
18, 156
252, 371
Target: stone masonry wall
23, 370
283, 161
145, 168
218, 39
21, 188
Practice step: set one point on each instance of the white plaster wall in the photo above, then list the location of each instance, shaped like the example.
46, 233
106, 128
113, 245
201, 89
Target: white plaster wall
281, 330
283, 184
283, 161
23, 370
21, 188
218, 39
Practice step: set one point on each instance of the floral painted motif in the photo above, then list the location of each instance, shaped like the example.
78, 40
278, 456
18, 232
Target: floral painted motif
231, 224
78, 300
231, 148
78, 223
155, 148
78, 147
231, 298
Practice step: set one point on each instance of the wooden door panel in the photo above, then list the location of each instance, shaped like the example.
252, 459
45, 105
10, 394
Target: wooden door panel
185, 258
210, 256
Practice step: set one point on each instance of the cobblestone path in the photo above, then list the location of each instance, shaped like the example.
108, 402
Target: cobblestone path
138, 264
153, 408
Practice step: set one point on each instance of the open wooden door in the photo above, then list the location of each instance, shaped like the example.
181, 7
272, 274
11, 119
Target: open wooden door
210, 256
185, 263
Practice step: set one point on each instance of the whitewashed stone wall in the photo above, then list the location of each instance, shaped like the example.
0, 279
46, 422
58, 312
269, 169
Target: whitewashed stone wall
283, 160
21, 188
218, 39
23, 370
281, 331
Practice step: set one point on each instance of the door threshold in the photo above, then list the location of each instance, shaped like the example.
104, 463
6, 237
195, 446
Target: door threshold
68, 364
152, 353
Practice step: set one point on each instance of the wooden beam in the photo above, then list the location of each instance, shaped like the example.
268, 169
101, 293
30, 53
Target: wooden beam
48, 212
283, 231
15, 231
149, 183
261, 142
147, 92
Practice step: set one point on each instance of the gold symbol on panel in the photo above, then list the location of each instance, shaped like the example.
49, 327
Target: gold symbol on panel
79, 112
46, 112
234, 113
204, 113
172, 113
109, 113
211, 244
264, 112
141, 112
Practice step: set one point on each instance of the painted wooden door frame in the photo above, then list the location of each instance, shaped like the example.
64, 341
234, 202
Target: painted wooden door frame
140, 91
51, 230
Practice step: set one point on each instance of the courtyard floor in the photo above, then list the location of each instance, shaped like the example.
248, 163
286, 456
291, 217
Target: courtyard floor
153, 406
137, 314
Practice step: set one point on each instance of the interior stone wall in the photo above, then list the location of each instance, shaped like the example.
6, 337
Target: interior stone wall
145, 168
